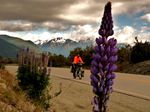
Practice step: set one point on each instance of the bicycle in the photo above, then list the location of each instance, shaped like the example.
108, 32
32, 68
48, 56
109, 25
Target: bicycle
78, 71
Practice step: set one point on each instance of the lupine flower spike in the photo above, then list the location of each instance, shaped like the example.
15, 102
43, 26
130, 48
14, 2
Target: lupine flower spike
102, 65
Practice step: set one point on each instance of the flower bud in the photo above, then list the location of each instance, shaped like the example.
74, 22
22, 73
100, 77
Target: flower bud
96, 49
109, 83
97, 57
104, 58
94, 79
102, 49
108, 50
100, 65
94, 70
112, 67
113, 76
99, 41
114, 51
113, 59
94, 63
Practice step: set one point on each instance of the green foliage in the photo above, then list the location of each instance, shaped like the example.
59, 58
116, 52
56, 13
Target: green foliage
140, 52
58, 60
75, 52
87, 55
6, 60
124, 54
34, 84
2, 66
130, 55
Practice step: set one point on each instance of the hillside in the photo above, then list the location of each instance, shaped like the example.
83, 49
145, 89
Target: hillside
138, 68
7, 49
11, 45
11, 98
18, 42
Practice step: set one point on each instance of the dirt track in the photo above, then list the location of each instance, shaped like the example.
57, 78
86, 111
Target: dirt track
76, 97
128, 82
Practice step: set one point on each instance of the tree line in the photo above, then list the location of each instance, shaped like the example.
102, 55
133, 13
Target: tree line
127, 54
62, 61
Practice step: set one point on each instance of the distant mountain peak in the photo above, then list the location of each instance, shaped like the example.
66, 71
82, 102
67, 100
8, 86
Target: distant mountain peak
58, 40
38, 42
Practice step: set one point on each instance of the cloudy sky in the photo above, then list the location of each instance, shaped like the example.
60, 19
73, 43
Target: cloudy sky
75, 19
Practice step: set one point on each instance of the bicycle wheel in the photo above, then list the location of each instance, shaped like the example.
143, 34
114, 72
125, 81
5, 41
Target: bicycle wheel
80, 74
74, 74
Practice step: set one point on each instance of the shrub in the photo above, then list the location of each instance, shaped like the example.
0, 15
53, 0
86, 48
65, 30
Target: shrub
2, 66
32, 82
2, 63
140, 52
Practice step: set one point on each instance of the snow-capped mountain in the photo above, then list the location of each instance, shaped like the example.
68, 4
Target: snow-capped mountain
40, 42
57, 40
63, 46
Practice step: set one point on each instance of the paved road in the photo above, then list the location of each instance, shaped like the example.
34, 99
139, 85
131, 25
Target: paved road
137, 84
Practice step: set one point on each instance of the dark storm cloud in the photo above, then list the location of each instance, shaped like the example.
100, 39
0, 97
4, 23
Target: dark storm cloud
29, 26
17, 25
33, 10
61, 14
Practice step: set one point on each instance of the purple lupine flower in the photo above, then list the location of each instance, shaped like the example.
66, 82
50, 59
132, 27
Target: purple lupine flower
102, 66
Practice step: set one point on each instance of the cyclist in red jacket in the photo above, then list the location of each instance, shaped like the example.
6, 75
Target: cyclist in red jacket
77, 60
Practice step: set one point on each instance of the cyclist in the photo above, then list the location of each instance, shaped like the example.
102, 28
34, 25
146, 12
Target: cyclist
77, 60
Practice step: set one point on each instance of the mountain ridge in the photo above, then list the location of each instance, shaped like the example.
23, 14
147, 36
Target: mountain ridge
58, 45
11, 45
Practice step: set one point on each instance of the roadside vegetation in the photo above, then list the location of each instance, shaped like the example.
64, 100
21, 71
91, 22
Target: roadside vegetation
12, 98
29, 91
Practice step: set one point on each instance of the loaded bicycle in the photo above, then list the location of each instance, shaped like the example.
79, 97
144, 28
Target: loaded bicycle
78, 71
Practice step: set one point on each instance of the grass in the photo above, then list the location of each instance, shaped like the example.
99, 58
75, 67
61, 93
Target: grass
12, 99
